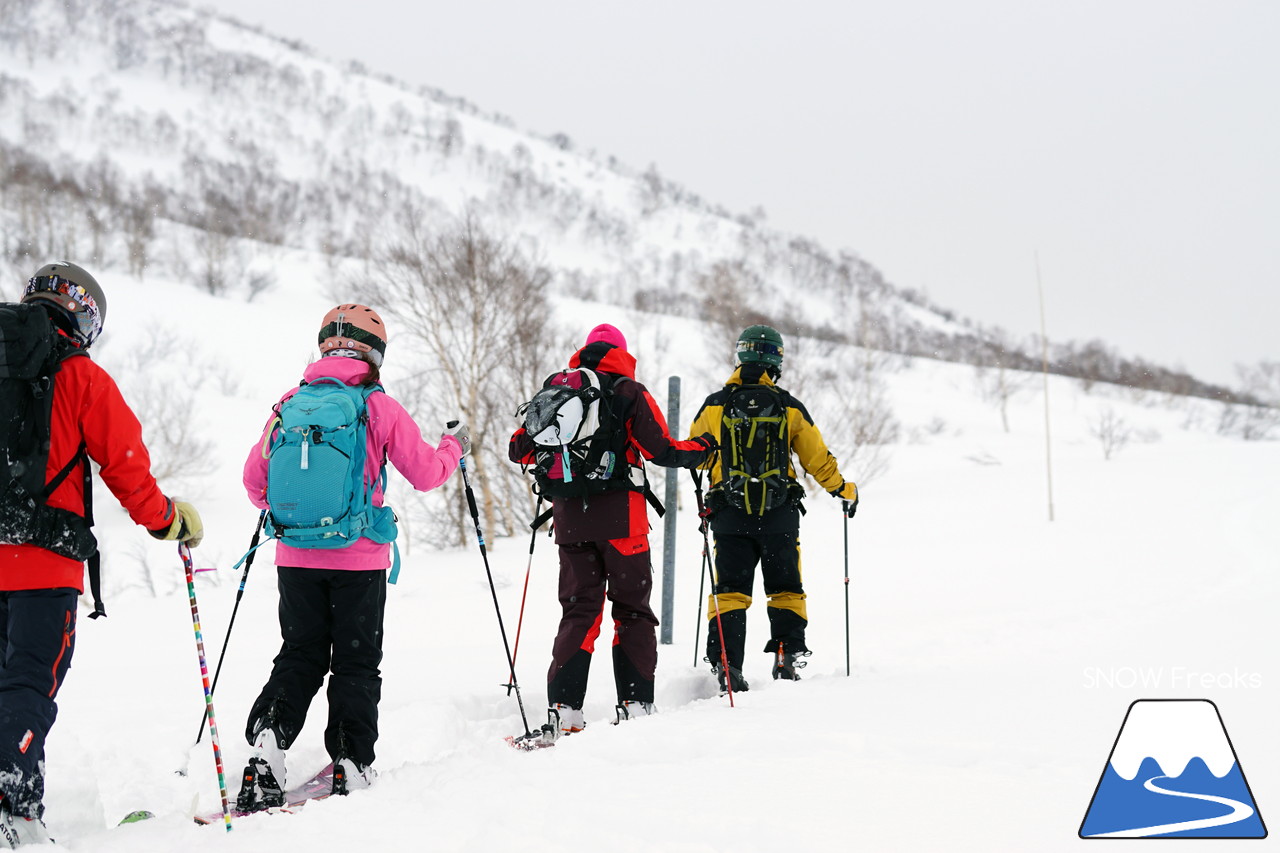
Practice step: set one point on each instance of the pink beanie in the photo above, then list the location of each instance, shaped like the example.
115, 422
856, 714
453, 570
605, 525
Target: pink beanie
608, 334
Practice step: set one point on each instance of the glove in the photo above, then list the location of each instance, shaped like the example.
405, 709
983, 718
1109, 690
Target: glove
186, 526
848, 493
708, 441
462, 433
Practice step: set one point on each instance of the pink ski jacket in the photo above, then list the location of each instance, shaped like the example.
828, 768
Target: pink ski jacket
392, 435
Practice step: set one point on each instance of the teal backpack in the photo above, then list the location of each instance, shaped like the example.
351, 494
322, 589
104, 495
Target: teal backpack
316, 493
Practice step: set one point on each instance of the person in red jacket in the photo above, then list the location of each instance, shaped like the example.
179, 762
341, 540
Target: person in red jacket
602, 530
45, 540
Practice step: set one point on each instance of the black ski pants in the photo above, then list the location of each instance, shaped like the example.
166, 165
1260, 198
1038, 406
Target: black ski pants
736, 558
591, 572
331, 624
37, 639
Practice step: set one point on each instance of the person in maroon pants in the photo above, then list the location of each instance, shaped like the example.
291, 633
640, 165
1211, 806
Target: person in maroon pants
602, 530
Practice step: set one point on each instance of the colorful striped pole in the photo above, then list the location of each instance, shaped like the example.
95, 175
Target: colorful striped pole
248, 564
185, 553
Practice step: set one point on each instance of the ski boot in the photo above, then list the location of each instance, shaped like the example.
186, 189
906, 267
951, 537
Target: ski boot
263, 784
349, 775
630, 709
562, 720
18, 831
736, 680
786, 663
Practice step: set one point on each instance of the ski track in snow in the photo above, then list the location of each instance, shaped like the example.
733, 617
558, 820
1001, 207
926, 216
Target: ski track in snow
1240, 811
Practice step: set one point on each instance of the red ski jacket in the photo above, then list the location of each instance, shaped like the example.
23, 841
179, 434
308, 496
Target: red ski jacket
88, 408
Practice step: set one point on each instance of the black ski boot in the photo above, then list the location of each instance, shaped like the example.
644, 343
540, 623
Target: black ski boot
259, 789
736, 679
786, 663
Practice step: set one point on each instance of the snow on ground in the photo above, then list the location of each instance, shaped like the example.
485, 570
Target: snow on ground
994, 652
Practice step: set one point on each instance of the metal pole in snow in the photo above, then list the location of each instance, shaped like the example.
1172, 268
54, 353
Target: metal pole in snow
669, 521
1044, 365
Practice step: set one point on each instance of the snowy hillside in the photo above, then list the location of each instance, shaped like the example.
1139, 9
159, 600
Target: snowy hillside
175, 113
220, 180
173, 142
994, 653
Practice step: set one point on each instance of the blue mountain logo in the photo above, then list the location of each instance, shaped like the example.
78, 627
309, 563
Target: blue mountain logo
1173, 773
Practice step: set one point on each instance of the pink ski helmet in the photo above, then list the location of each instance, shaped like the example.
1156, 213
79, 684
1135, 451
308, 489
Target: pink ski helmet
354, 331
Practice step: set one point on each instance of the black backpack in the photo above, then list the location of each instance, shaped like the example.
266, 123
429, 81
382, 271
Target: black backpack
755, 450
579, 441
31, 353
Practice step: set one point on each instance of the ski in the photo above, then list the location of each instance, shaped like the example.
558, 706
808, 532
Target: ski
546, 736
318, 787
540, 739
140, 815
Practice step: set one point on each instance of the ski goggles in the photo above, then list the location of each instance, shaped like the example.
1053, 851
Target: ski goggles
70, 297
341, 335
764, 348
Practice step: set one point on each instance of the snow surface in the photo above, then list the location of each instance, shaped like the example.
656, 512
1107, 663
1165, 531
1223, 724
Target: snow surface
994, 653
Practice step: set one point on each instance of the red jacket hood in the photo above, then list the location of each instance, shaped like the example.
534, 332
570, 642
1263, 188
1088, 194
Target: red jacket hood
606, 358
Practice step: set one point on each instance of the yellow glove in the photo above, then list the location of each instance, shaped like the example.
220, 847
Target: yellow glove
848, 493
186, 526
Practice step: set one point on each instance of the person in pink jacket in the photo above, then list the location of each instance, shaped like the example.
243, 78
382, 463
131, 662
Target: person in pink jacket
332, 600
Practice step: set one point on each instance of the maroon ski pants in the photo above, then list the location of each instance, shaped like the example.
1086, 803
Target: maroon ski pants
591, 572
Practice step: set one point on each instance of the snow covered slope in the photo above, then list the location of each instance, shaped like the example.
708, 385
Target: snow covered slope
993, 652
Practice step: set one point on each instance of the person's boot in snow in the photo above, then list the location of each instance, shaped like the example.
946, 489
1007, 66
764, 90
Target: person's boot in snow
786, 663
17, 831
264, 776
630, 709
736, 680
562, 720
349, 775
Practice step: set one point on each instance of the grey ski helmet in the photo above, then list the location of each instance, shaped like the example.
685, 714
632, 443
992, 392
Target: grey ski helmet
76, 293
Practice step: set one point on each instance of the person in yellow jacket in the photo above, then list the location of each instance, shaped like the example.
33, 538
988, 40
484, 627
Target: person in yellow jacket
754, 505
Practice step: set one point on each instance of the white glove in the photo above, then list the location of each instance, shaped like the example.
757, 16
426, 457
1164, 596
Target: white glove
462, 433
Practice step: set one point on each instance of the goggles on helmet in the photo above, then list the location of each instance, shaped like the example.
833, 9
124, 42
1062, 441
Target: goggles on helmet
71, 298
764, 348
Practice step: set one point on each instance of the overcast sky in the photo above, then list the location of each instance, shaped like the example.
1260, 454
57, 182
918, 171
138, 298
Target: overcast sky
1133, 144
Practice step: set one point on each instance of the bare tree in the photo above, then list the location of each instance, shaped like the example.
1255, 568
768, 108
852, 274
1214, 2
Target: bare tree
474, 311
1111, 430
997, 382
847, 390
1260, 418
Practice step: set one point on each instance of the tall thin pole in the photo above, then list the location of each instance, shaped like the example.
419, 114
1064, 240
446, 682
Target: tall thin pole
1044, 365
669, 522
248, 564
848, 659
484, 555
185, 553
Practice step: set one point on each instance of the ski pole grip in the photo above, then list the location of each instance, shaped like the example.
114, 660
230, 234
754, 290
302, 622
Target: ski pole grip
450, 424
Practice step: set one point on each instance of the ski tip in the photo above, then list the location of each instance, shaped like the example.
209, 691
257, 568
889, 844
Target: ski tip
134, 817
528, 743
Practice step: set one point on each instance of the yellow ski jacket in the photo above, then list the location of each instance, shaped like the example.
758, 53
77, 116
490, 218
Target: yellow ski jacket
806, 441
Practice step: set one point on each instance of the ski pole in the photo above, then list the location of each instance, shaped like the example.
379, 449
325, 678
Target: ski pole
702, 591
848, 668
706, 561
253, 549
484, 554
533, 540
185, 553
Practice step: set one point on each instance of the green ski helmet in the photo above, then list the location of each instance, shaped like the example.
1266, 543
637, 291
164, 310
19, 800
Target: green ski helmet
70, 288
760, 344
